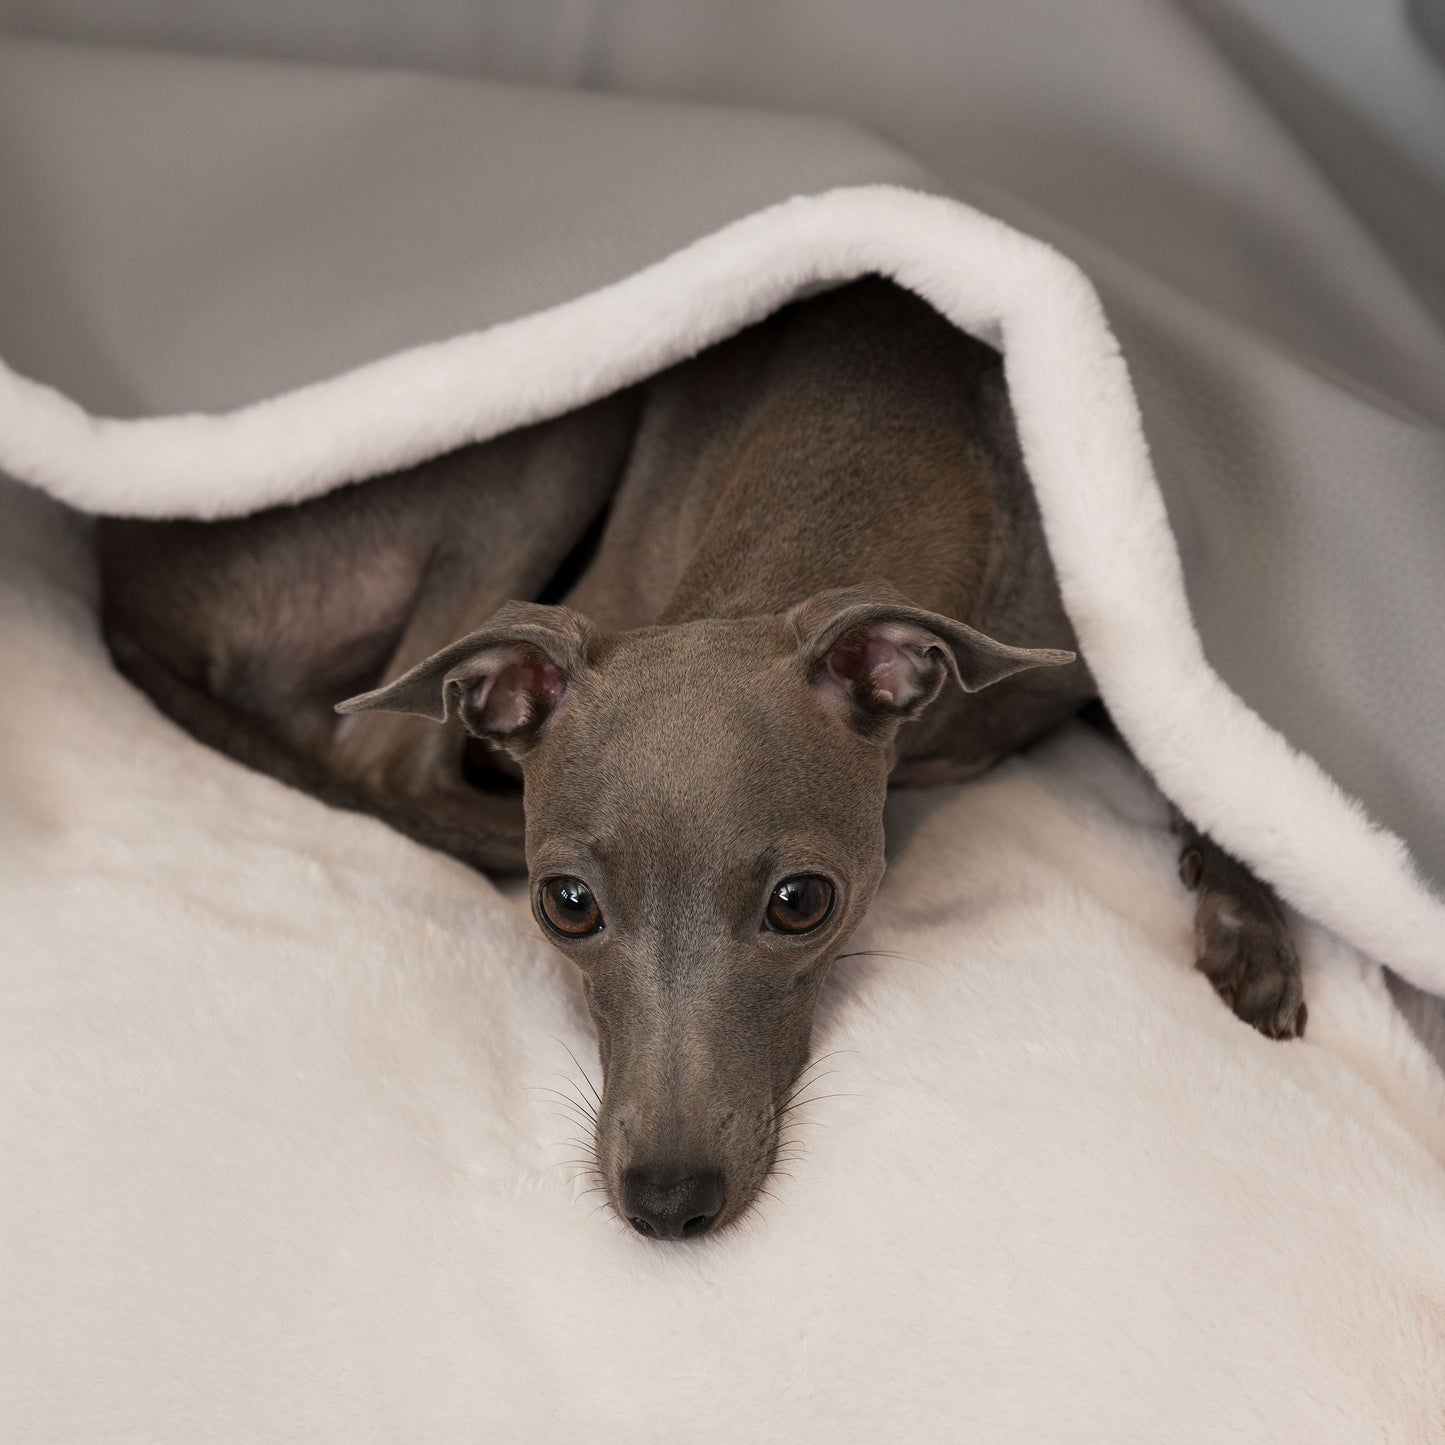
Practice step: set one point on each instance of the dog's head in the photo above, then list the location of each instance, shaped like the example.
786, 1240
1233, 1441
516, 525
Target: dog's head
704, 807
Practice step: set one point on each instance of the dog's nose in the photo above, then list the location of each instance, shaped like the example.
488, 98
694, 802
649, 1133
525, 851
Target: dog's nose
665, 1207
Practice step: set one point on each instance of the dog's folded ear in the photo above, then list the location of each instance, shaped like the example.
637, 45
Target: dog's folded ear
503, 681
885, 660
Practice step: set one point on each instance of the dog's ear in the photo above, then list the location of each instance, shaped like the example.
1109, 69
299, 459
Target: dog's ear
503, 681
884, 660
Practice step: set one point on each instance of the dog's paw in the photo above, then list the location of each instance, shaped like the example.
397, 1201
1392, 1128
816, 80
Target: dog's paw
1246, 952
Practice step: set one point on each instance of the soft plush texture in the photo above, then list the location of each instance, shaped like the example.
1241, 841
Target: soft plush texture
1077, 421
277, 1160
281, 1162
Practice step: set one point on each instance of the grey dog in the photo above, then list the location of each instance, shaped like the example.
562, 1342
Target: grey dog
759, 587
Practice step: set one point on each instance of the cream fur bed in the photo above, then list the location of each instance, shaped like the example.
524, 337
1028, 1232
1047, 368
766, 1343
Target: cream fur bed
279, 1163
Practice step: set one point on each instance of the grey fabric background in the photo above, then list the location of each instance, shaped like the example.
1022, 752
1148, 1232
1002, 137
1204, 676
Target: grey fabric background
200, 235
1281, 161
197, 235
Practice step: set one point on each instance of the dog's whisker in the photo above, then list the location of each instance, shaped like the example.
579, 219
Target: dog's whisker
576, 1114
823, 1059
583, 1072
879, 953
574, 1099
800, 1094
801, 1089
818, 1062
579, 1111
572, 1084
572, 1121
557, 1096
815, 1099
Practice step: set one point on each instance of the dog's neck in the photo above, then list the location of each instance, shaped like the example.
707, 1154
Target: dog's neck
801, 510
837, 445
750, 559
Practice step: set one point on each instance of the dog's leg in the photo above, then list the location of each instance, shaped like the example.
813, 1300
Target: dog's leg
252, 741
1244, 944
248, 631
542, 521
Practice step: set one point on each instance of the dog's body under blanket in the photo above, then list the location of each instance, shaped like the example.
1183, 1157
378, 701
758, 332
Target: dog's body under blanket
249, 631
849, 469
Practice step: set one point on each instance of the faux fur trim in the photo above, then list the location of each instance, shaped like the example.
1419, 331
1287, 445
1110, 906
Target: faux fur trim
1077, 420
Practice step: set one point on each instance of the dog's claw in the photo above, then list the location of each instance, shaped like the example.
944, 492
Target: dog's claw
1191, 865
1247, 953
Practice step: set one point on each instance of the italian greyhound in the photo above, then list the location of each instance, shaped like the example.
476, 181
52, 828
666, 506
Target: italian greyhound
757, 589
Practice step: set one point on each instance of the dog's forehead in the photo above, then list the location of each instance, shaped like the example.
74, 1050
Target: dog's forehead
695, 653
707, 733
658, 686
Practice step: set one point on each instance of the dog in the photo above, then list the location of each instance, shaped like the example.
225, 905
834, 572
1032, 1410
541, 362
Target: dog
724, 611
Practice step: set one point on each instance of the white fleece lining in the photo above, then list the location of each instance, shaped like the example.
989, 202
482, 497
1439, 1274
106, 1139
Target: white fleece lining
1078, 423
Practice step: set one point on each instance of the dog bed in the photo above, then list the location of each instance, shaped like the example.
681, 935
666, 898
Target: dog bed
279, 1159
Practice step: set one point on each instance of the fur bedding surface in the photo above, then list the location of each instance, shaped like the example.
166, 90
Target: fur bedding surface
280, 1160
289, 1105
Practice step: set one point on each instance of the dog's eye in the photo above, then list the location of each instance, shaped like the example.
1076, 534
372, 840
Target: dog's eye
799, 905
568, 907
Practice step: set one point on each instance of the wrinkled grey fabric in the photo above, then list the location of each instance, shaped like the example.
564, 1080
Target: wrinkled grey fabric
192, 233
1281, 161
